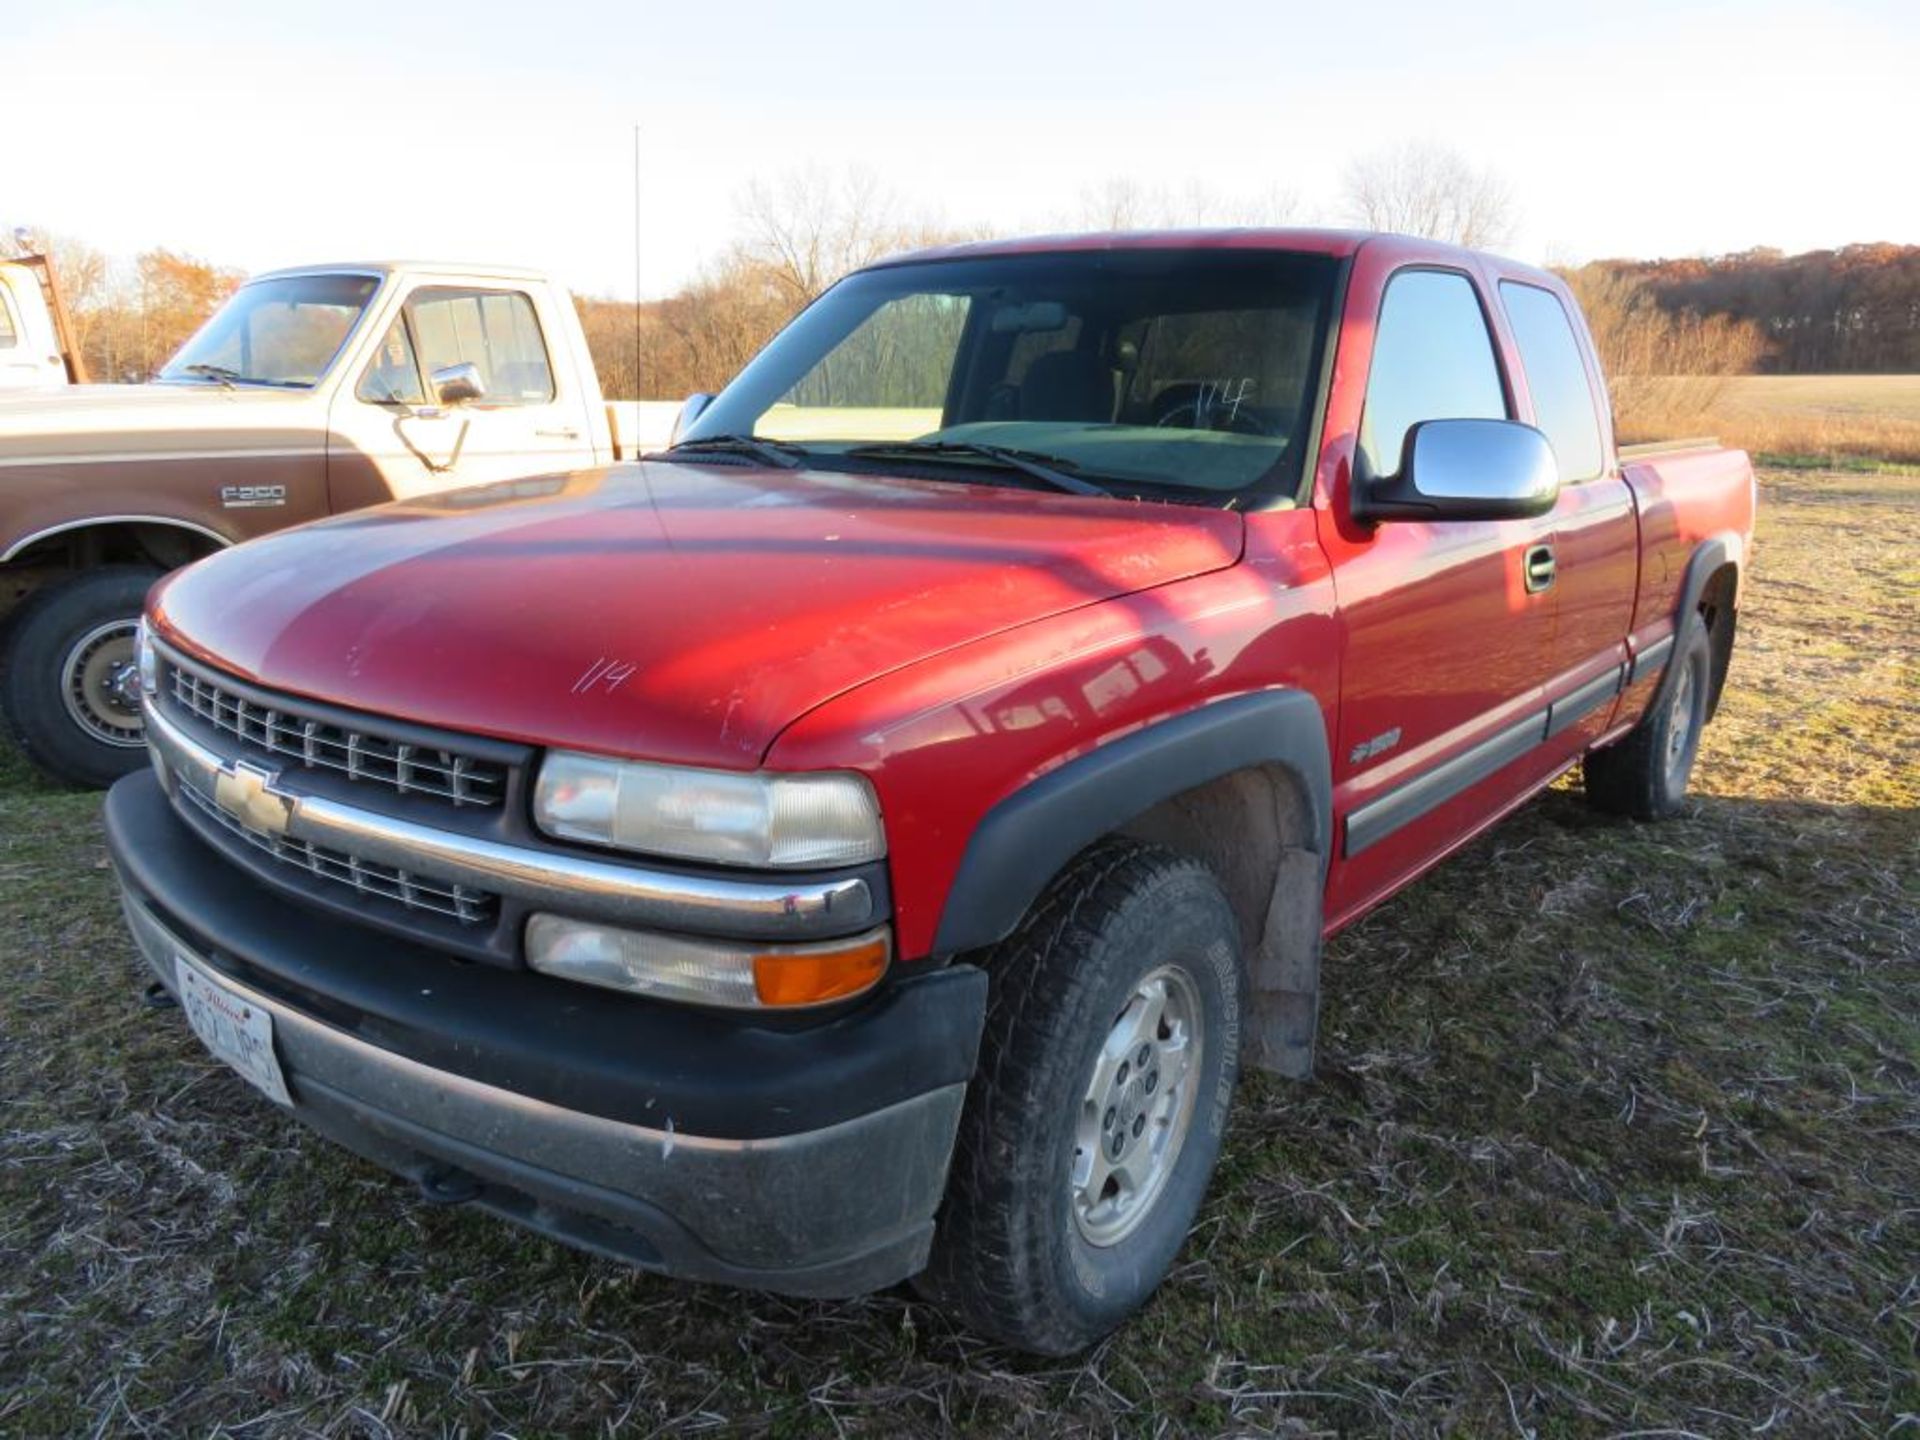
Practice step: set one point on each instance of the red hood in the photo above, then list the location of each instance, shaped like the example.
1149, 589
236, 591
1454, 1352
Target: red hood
682, 613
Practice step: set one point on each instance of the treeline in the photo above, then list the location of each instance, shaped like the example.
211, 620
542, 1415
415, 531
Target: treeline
1851, 310
697, 339
1856, 309
1667, 369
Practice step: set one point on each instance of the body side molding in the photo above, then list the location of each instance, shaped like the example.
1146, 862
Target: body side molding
1573, 707
1401, 806
1027, 837
1650, 659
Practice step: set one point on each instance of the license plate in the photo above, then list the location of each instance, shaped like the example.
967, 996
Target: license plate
235, 1029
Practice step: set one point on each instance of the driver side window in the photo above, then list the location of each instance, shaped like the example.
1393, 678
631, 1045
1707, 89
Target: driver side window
496, 331
1432, 360
393, 375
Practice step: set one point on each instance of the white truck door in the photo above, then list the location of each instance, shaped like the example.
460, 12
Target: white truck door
531, 419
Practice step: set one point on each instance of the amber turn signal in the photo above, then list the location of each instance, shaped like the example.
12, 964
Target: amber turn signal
739, 974
820, 973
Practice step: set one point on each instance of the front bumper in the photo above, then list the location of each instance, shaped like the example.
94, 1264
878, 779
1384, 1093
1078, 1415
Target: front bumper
806, 1160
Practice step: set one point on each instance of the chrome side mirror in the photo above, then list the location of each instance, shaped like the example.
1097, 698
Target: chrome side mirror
457, 384
691, 410
1465, 470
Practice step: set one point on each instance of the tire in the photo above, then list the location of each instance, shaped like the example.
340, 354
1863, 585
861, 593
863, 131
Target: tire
1645, 774
60, 675
1028, 1249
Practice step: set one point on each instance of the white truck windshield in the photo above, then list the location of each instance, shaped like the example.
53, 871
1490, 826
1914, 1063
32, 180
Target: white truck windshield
281, 332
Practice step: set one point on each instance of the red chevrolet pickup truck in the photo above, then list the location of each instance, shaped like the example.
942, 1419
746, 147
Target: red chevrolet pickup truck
866, 840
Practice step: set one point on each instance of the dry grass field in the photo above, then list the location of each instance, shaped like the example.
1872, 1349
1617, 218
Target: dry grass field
1818, 417
1617, 1132
1837, 397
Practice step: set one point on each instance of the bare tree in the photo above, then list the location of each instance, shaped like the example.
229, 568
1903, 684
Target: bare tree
1424, 189
1666, 370
810, 228
1123, 203
1115, 204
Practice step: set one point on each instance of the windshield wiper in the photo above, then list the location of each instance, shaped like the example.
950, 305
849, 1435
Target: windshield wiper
1048, 469
221, 373
772, 452
230, 379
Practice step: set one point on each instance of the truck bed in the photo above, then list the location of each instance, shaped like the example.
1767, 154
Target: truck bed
1653, 449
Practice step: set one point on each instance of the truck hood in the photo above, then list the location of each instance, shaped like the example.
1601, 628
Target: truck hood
96, 420
673, 612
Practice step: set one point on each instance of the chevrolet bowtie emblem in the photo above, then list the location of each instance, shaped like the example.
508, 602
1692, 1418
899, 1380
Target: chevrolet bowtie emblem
247, 793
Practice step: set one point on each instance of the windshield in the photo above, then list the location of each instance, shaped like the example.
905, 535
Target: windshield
1186, 373
275, 332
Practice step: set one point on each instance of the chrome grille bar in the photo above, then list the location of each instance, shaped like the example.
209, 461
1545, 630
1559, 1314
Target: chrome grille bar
363, 756
385, 882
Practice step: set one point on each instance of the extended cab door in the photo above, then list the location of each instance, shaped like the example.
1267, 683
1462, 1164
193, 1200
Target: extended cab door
1596, 536
1447, 641
392, 438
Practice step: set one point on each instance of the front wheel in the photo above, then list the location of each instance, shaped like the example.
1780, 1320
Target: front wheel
1099, 1104
69, 684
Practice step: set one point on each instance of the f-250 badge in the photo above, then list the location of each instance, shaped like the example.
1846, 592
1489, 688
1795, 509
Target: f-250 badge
252, 497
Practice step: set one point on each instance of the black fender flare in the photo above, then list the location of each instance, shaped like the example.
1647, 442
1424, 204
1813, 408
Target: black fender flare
1709, 556
1025, 839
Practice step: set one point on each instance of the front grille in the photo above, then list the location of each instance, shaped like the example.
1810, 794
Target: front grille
385, 882
288, 730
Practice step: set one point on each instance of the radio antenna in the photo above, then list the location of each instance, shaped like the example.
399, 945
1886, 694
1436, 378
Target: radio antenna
639, 391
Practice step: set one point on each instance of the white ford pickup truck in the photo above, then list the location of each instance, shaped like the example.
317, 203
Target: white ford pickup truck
311, 391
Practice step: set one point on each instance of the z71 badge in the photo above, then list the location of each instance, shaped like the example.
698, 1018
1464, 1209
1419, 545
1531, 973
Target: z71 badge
252, 497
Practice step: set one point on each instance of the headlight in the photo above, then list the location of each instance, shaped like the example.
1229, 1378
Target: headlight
722, 816
147, 658
707, 972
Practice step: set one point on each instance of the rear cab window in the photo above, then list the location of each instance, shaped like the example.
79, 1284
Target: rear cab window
1433, 359
9, 335
1564, 406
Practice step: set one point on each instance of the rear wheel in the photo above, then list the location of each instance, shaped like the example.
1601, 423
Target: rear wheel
1645, 774
1097, 1112
69, 684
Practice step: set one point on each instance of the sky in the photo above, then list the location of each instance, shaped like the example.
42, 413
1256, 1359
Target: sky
260, 134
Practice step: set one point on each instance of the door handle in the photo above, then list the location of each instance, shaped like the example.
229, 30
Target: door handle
1539, 567
562, 434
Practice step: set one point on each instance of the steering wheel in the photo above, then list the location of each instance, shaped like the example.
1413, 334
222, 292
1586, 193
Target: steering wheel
1201, 414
